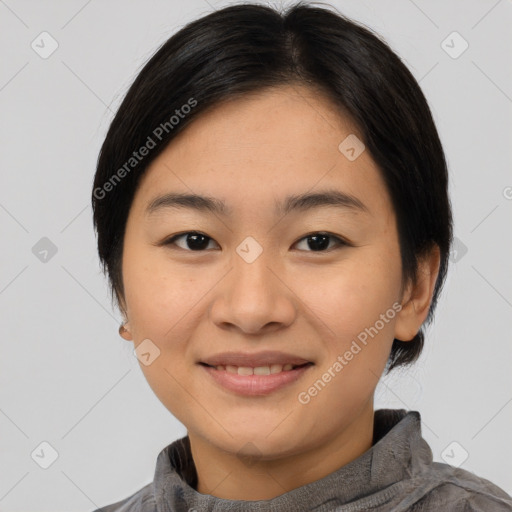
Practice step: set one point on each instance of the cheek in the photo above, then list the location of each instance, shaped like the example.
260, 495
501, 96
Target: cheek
161, 301
351, 296
354, 308
157, 294
356, 318
170, 383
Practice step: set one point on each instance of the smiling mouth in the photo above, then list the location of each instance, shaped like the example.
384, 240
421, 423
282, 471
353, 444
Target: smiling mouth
271, 369
261, 380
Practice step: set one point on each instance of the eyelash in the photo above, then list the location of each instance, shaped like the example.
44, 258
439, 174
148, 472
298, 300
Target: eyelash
339, 241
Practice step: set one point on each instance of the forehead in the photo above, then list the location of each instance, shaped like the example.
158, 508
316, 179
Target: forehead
252, 150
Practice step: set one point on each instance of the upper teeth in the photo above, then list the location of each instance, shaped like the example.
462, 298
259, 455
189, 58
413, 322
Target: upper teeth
259, 370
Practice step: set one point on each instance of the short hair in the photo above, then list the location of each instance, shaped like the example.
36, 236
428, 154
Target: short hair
247, 48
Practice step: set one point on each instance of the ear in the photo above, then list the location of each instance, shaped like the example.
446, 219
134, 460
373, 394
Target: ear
124, 329
417, 296
125, 333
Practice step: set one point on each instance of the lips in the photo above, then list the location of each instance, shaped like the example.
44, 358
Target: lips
256, 360
250, 384
255, 374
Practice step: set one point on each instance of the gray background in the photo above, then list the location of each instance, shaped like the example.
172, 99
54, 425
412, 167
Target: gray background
67, 378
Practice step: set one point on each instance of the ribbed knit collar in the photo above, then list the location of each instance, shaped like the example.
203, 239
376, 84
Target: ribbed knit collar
398, 453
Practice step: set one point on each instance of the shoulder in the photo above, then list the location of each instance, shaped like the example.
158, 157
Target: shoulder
141, 501
461, 491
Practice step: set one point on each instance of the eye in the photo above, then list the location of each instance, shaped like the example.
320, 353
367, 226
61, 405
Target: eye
194, 241
319, 242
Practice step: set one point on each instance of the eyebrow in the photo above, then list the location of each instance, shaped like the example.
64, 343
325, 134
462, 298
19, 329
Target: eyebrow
293, 203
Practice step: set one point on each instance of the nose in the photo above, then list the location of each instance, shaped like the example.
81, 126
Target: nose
253, 298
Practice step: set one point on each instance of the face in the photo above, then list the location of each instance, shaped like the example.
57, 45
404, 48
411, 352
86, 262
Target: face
271, 279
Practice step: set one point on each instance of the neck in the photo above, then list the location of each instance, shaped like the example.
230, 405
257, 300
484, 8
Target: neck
234, 478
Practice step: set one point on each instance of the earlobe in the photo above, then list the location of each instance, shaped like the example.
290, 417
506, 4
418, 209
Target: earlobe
418, 296
124, 332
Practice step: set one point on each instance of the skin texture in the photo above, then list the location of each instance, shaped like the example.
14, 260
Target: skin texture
250, 152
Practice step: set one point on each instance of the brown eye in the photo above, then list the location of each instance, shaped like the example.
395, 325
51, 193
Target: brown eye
319, 242
193, 241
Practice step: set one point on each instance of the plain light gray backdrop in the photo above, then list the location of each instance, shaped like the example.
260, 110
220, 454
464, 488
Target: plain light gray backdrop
68, 379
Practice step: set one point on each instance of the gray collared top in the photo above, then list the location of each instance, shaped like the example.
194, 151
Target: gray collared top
396, 474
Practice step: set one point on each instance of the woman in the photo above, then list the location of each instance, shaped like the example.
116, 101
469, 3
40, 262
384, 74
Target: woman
271, 203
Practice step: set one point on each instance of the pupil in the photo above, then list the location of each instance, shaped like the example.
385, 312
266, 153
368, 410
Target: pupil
195, 243
318, 245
